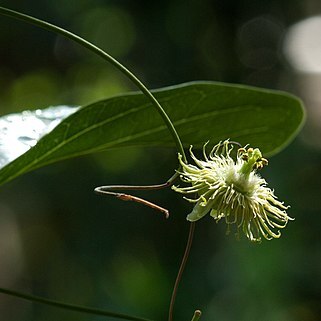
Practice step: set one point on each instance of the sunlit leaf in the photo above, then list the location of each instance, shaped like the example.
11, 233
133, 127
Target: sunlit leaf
200, 111
21, 131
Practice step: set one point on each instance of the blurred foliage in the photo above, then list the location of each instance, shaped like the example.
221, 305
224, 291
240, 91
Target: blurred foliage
60, 240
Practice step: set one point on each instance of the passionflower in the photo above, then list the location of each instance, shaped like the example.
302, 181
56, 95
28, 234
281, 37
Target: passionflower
230, 189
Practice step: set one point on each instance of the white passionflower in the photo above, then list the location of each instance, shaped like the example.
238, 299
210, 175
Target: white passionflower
232, 190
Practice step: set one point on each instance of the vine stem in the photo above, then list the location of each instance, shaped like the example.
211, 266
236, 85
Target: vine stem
181, 270
72, 307
98, 51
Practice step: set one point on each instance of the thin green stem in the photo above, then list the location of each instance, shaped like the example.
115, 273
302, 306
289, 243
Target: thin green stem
98, 51
66, 306
168, 183
181, 270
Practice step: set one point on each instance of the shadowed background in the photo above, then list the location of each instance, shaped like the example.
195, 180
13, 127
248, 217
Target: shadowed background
60, 240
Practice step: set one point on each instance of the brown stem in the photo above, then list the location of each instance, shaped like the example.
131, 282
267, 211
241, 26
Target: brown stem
181, 270
107, 190
127, 197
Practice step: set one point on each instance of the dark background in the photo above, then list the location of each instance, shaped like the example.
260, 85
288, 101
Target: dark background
60, 240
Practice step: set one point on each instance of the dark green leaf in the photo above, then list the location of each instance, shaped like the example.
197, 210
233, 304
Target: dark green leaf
200, 111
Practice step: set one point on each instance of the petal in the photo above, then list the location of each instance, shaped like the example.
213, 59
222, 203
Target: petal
199, 211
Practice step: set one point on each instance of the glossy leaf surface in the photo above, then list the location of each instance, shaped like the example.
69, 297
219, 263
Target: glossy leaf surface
200, 111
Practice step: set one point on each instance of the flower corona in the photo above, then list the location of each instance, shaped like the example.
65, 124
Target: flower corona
233, 190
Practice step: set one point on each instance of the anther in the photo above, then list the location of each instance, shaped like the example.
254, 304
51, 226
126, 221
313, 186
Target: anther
245, 157
264, 161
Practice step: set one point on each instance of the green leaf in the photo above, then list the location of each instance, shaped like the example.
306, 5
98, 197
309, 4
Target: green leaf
200, 111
